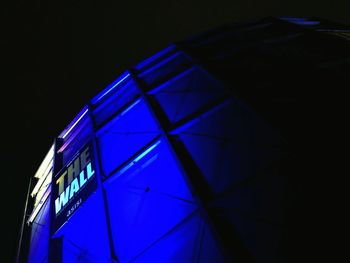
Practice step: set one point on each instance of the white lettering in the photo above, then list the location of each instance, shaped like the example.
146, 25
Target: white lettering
61, 200
74, 188
89, 171
82, 179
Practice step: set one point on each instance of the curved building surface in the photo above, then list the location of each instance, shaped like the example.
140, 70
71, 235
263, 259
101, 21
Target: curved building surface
192, 155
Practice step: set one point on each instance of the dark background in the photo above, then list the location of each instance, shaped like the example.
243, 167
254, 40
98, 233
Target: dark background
56, 55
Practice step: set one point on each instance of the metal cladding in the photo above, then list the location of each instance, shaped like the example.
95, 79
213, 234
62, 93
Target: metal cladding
188, 156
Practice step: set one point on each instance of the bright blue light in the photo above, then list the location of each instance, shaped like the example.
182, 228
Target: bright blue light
75, 123
138, 158
110, 88
130, 107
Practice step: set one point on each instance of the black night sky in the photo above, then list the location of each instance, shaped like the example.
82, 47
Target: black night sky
56, 55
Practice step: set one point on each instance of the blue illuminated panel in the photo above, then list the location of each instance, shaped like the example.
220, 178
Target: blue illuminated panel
125, 135
85, 237
188, 93
148, 202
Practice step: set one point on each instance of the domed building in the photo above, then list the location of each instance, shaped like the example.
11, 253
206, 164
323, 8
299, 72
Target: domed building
196, 154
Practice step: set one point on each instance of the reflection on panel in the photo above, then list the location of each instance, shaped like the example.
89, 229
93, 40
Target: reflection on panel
125, 135
188, 93
147, 202
115, 102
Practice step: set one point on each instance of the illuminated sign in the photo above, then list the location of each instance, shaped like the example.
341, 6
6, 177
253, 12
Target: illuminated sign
72, 186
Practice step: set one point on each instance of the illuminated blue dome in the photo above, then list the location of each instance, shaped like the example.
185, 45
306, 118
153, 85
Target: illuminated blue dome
180, 159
